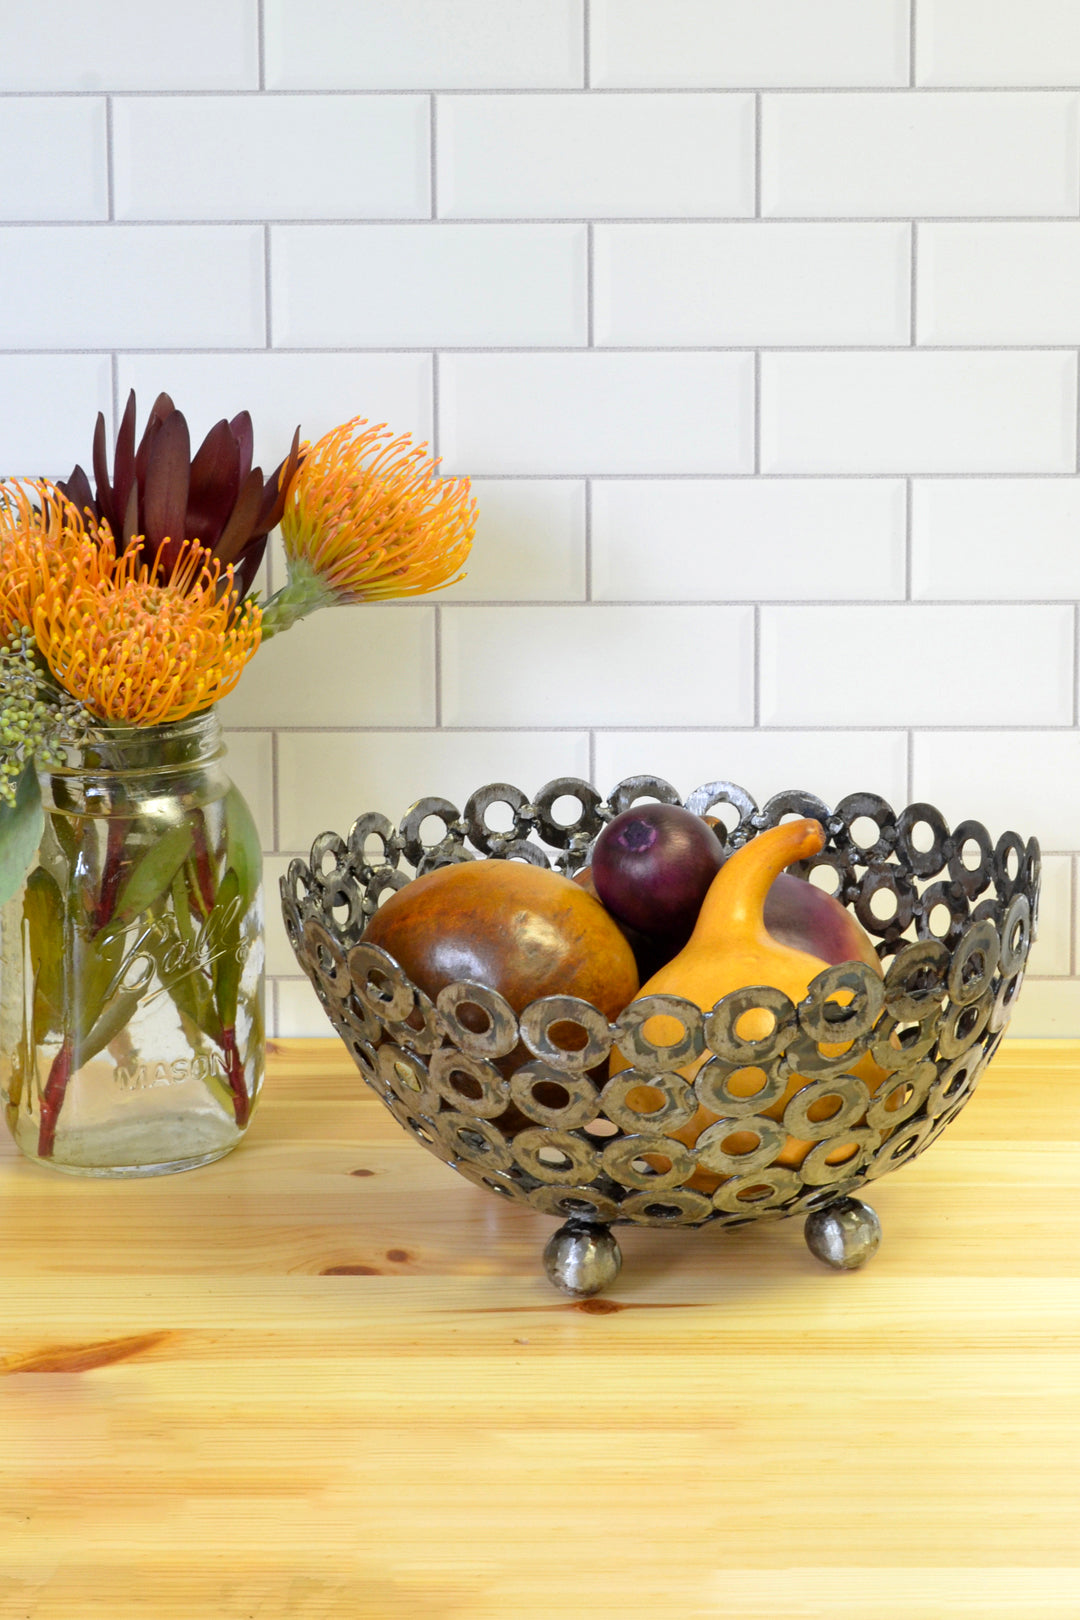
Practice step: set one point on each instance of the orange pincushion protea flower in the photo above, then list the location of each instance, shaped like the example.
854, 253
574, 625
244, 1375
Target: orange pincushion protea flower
142, 652
367, 517
41, 532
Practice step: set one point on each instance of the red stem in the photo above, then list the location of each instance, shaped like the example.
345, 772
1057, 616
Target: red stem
235, 1071
110, 877
52, 1097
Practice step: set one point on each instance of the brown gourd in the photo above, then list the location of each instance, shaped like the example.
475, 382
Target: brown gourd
730, 949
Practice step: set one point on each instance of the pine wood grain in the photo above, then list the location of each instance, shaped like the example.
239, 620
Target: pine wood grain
326, 1377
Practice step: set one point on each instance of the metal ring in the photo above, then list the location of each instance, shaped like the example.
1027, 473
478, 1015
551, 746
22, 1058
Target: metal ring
540, 1018
870, 807
782, 1184
501, 1035
955, 1083
899, 1148
896, 881
407, 1077
562, 835
574, 1203
327, 960
929, 862
710, 1151
359, 1049
477, 1140
703, 799
915, 982
678, 1107
581, 1166
854, 1099
619, 1157
793, 801
413, 846
720, 1026
650, 1057
511, 1184
633, 788
1009, 844
1016, 924
972, 879
332, 844
857, 1018
974, 963
422, 1126
491, 1097
815, 1169
392, 1006
582, 1104
916, 1085
962, 1026
675, 1206
475, 815
1007, 992
911, 1050
713, 1089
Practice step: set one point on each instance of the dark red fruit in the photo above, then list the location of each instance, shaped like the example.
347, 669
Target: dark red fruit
652, 867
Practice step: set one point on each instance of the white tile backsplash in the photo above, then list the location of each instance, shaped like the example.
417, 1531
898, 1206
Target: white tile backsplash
919, 411
53, 158
569, 156
747, 539
1013, 42
303, 157
875, 155
748, 43
65, 45
424, 44
1000, 539
756, 283
915, 665
438, 284
129, 286
754, 322
999, 284
599, 413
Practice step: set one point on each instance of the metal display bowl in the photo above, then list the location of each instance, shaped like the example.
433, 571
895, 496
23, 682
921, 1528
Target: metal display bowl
952, 914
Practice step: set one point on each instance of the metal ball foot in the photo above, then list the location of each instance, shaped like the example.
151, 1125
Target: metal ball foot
582, 1259
844, 1234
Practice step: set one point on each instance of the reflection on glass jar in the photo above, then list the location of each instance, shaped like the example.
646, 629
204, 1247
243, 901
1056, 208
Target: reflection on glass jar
131, 980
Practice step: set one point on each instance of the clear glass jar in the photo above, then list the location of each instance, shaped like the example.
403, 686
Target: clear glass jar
132, 1038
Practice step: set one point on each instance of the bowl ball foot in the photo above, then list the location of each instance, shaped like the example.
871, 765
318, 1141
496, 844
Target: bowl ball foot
582, 1259
844, 1234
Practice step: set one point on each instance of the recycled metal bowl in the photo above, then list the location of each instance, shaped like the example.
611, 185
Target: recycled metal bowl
952, 913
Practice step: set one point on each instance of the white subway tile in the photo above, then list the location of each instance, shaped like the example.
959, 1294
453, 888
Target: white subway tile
1016, 42
328, 780
1047, 1008
596, 413
529, 545
1021, 781
558, 156
710, 44
306, 157
344, 666
111, 45
437, 285
829, 764
999, 284
299, 1011
995, 539
747, 539
754, 283
918, 412
109, 286
53, 163
280, 957
1052, 951
920, 153
282, 391
424, 44
50, 404
915, 665
597, 665
249, 761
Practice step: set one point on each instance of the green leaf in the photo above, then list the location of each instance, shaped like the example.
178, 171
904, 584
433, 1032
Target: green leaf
21, 827
243, 847
43, 913
152, 874
120, 1010
227, 963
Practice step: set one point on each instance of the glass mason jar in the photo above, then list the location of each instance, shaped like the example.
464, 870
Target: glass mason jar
132, 1039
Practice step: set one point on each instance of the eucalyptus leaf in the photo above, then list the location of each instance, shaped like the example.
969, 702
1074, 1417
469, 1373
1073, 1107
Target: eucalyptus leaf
21, 827
152, 874
243, 847
227, 964
43, 915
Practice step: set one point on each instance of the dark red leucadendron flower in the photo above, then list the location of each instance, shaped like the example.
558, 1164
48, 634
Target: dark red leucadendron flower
159, 495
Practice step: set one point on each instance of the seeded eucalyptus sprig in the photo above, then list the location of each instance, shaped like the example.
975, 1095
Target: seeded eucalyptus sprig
37, 717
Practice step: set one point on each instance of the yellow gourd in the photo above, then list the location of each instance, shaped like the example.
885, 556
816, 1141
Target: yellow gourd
731, 950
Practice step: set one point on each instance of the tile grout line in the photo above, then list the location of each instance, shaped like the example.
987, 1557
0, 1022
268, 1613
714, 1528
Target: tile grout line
433, 167
586, 45
275, 800
908, 493
757, 154
913, 287
756, 470
260, 35
588, 541
267, 295
757, 667
110, 166
437, 616
911, 43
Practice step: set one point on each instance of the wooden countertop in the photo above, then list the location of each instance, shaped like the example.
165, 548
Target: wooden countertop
326, 1377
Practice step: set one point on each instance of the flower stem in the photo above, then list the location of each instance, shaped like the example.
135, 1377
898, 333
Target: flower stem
52, 1097
235, 1070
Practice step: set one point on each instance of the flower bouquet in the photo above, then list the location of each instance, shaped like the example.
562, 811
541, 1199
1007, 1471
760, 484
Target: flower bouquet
131, 925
